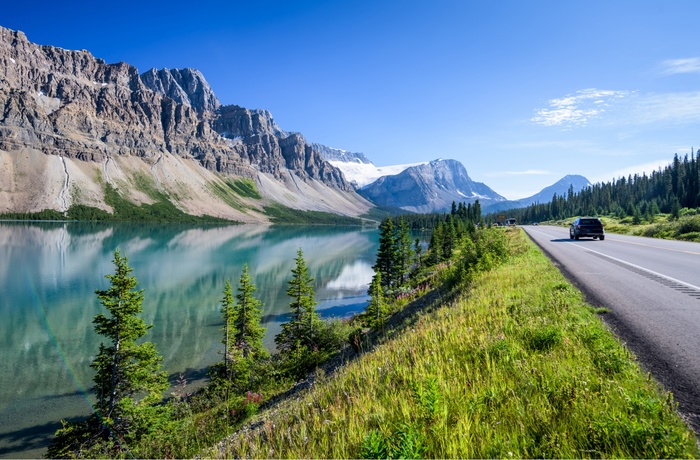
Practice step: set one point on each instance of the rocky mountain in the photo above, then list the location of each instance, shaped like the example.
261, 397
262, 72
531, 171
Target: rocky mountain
186, 86
98, 122
561, 187
339, 155
429, 187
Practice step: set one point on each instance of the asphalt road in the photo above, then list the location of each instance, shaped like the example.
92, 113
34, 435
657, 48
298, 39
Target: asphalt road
652, 289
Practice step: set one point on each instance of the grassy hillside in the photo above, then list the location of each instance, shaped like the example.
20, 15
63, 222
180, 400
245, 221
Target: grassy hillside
514, 365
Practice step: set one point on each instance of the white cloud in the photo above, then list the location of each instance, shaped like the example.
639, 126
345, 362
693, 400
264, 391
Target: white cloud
353, 277
578, 109
676, 66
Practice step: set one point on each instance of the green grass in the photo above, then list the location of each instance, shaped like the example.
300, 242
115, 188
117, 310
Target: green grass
282, 215
231, 191
515, 365
160, 211
244, 187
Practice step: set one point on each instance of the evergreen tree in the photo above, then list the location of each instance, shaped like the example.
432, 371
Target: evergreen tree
387, 254
228, 329
300, 333
128, 380
247, 315
376, 309
124, 368
436, 244
404, 252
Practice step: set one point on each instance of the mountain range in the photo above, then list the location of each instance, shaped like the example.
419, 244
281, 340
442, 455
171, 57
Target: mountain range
574, 183
73, 127
71, 124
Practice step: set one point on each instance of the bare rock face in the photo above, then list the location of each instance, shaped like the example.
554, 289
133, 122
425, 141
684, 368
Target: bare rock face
186, 86
71, 104
256, 137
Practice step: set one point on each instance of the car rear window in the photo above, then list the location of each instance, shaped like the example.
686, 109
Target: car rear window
589, 221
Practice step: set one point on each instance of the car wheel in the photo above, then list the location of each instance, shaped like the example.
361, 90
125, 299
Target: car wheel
571, 236
576, 237
595, 237
602, 237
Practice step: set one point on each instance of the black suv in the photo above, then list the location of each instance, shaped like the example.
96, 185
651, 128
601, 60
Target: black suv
587, 226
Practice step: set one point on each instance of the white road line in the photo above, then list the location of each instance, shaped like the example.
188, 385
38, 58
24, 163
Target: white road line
652, 246
692, 286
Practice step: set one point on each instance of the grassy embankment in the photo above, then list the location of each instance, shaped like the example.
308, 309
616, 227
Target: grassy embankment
515, 365
686, 227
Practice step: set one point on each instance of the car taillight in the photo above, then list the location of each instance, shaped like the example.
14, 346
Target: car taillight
578, 226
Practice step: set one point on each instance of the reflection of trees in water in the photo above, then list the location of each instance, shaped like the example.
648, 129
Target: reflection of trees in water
51, 270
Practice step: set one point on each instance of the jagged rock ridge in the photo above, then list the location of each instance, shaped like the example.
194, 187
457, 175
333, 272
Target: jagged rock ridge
75, 106
186, 86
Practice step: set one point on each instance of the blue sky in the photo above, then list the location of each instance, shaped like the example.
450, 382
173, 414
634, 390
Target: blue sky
521, 92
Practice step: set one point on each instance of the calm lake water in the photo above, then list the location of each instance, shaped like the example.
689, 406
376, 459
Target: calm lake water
49, 273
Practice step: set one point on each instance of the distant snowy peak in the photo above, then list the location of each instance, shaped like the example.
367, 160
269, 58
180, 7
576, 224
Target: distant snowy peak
429, 187
356, 167
345, 156
362, 174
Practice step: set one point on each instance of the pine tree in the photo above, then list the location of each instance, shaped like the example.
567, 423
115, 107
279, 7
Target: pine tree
128, 380
404, 252
376, 309
300, 333
247, 315
387, 254
228, 329
123, 367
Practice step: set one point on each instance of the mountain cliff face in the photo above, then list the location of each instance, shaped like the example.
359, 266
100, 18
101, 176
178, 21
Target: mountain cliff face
186, 86
561, 188
429, 187
344, 156
78, 108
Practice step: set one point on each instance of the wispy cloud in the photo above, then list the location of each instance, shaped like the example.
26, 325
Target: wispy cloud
676, 66
578, 109
675, 108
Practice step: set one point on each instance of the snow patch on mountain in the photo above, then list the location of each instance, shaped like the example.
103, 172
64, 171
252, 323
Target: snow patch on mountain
363, 174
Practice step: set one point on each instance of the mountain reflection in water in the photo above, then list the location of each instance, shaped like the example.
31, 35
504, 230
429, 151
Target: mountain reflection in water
49, 273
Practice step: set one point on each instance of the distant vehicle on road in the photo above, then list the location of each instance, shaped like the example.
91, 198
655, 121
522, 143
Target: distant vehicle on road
510, 222
586, 226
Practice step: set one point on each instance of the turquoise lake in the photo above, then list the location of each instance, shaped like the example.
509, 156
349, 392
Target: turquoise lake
49, 273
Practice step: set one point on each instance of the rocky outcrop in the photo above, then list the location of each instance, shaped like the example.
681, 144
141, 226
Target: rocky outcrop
71, 104
186, 86
255, 136
429, 187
